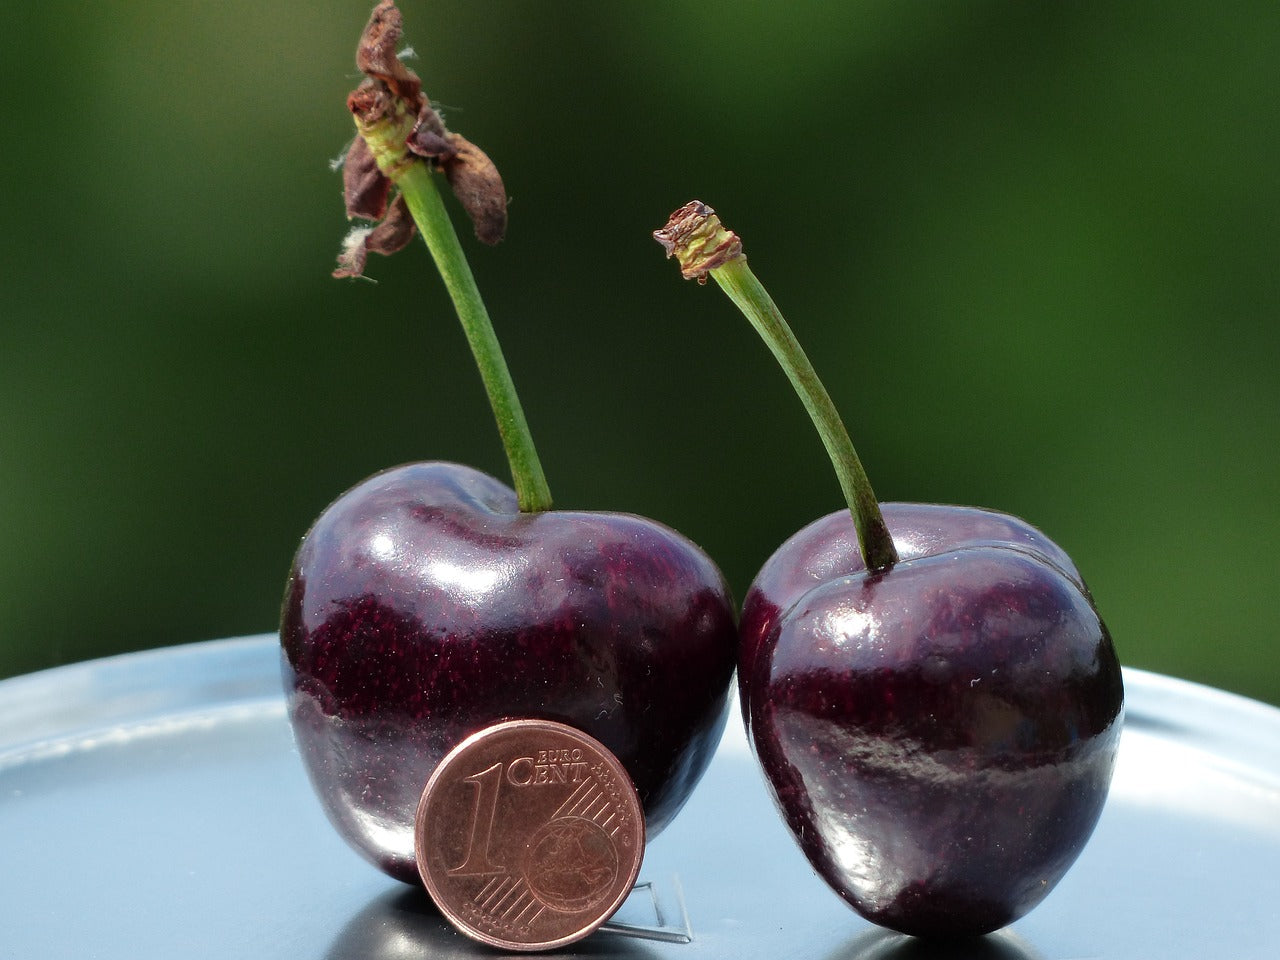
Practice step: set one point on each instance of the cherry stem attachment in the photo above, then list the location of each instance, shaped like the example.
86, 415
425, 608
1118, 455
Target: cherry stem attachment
416, 182
702, 245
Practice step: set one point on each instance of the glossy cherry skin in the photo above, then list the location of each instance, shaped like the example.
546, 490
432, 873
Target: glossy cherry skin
939, 736
423, 606
828, 548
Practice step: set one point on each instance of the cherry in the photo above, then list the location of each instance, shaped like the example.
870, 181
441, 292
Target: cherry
431, 600
930, 691
423, 606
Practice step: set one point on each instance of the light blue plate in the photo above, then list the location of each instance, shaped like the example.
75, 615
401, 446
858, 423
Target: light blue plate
152, 807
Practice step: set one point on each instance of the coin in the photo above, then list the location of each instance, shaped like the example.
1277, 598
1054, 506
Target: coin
529, 835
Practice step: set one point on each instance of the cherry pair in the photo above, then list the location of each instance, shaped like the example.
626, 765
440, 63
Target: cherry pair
930, 690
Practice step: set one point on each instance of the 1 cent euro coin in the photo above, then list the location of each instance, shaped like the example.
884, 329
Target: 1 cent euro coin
529, 835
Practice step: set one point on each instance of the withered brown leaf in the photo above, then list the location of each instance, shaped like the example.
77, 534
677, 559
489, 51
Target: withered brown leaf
479, 188
390, 236
376, 55
364, 188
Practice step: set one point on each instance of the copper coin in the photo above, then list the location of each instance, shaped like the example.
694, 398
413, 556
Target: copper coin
529, 835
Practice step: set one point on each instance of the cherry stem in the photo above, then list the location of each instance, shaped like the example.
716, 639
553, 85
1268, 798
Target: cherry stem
415, 182
703, 246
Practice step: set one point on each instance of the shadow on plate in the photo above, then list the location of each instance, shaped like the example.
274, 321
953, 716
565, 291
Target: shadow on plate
881, 944
405, 925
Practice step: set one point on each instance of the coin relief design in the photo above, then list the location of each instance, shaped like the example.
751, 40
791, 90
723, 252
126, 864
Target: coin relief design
529, 835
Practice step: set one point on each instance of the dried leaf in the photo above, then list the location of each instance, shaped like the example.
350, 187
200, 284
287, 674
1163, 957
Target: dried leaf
393, 234
376, 54
429, 138
354, 253
395, 231
479, 188
364, 188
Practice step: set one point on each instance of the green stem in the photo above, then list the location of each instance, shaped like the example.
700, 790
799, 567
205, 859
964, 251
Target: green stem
704, 246
415, 181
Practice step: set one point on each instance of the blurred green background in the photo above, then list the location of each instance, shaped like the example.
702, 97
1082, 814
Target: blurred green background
1031, 247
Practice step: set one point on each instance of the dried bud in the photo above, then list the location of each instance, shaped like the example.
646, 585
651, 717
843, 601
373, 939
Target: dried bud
699, 241
398, 129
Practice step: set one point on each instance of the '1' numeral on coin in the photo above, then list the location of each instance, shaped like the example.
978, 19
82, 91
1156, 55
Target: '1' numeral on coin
477, 862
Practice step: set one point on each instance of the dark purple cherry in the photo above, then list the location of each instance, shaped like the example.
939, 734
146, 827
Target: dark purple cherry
939, 735
934, 700
423, 606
